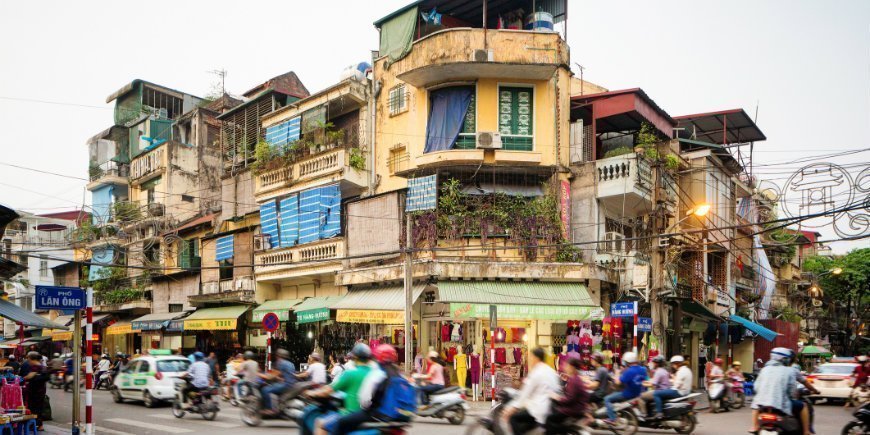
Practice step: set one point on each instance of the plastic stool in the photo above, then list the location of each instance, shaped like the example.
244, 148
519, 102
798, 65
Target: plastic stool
7, 429
26, 428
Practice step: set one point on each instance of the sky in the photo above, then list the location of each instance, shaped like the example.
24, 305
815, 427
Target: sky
802, 66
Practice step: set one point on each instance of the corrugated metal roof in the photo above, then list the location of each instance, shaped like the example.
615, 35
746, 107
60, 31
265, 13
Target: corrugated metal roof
20, 315
230, 312
317, 303
515, 293
277, 304
158, 317
377, 298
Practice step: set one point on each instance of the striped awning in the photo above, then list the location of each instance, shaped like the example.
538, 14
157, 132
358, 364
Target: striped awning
515, 293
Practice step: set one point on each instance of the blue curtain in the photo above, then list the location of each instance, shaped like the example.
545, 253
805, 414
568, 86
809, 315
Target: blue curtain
330, 211
447, 109
269, 221
309, 215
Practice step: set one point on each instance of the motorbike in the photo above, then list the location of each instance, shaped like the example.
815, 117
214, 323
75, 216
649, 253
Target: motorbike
679, 414
717, 391
861, 423
333, 403
57, 379
738, 393
859, 396
106, 381
626, 420
231, 390
774, 421
201, 402
290, 403
448, 403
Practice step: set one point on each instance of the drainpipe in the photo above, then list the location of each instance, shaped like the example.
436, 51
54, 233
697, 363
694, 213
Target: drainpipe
371, 130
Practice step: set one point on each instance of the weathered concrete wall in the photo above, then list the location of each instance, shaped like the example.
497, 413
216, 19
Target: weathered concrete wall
237, 195
373, 226
585, 213
173, 290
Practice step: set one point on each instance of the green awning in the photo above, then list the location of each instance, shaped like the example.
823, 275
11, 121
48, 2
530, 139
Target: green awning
385, 298
281, 307
315, 309
699, 310
515, 293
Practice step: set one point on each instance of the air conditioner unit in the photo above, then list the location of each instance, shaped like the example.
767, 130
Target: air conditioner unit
613, 241
482, 55
488, 140
262, 243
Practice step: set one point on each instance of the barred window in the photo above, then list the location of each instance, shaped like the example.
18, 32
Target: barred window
398, 99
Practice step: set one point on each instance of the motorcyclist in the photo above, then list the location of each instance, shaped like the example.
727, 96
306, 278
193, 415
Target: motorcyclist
861, 374
600, 385
316, 370
199, 373
716, 372
103, 366
278, 383
531, 407
350, 383
775, 387
56, 363
572, 403
68, 370
631, 379
661, 380
435, 377
681, 385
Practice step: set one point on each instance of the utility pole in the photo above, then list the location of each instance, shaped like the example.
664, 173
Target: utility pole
409, 300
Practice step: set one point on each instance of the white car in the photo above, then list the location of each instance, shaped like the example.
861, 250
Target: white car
833, 380
149, 378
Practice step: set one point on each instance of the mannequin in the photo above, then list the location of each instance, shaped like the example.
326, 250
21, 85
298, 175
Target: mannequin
476, 372
460, 366
561, 360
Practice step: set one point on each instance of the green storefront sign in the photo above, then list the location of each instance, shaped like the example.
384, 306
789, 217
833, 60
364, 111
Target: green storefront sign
311, 316
525, 312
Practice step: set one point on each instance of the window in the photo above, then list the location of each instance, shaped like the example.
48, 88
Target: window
467, 139
226, 269
188, 254
144, 367
150, 195
43, 267
186, 198
516, 118
176, 308
398, 99
173, 365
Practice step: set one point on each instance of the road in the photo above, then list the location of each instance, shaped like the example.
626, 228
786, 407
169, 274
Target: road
133, 418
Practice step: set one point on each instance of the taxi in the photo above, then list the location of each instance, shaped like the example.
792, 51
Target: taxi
150, 378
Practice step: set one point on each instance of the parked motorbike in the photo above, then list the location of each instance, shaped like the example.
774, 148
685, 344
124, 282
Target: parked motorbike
448, 403
201, 402
679, 414
290, 403
861, 423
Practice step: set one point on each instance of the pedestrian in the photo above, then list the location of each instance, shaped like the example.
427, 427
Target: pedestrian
35, 379
212, 362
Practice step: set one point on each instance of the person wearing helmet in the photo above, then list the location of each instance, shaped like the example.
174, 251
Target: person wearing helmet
860, 374
350, 383
283, 381
434, 378
531, 407
198, 373
680, 386
661, 380
600, 384
103, 366
716, 372
631, 380
774, 388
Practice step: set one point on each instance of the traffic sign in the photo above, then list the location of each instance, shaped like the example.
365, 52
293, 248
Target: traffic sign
60, 298
271, 322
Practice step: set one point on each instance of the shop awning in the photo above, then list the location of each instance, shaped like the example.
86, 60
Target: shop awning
154, 322
519, 300
765, 333
699, 310
314, 309
380, 305
219, 318
120, 328
28, 318
97, 318
281, 307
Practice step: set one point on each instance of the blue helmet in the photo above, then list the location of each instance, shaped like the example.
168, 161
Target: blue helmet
198, 356
782, 354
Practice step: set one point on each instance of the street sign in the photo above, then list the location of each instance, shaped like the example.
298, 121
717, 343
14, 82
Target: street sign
60, 298
271, 322
622, 309
644, 324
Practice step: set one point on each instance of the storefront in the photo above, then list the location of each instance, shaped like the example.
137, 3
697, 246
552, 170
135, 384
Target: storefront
695, 344
256, 335
316, 322
151, 328
528, 314
217, 329
121, 337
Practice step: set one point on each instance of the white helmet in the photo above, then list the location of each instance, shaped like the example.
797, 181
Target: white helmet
629, 358
677, 359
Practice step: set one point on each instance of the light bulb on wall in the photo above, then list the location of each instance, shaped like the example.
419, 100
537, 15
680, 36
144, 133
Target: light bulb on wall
310, 335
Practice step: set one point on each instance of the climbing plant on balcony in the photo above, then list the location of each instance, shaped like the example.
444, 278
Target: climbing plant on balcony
125, 211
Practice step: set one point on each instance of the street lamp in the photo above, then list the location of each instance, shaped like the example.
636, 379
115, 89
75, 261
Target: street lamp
815, 291
699, 210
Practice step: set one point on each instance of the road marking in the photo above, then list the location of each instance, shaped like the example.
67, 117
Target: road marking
99, 429
160, 427
205, 422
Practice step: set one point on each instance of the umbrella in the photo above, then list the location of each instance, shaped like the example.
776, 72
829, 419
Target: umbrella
815, 351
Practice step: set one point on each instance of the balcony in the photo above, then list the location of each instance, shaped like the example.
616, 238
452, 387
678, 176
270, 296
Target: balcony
328, 166
319, 257
148, 165
108, 173
463, 53
240, 289
624, 183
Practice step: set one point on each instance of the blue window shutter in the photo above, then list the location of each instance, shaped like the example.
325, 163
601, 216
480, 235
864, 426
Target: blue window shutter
284, 133
224, 248
422, 193
289, 224
294, 125
269, 221
104, 256
330, 211
309, 215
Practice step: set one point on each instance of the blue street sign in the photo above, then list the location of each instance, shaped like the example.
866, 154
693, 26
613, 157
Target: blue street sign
60, 298
622, 309
644, 324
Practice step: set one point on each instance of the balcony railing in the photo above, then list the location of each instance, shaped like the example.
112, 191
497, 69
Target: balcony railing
148, 163
109, 169
327, 163
311, 255
624, 179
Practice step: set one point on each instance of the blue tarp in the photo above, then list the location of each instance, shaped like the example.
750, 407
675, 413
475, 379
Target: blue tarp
289, 224
446, 114
103, 256
101, 203
330, 211
224, 248
285, 132
309, 216
422, 193
269, 221
765, 333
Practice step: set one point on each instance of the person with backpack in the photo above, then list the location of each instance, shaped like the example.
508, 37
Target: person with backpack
350, 383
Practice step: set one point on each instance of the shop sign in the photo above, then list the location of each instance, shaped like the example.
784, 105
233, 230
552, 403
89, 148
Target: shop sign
644, 324
149, 325
622, 309
311, 316
61, 336
541, 312
125, 328
210, 324
370, 316
175, 326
